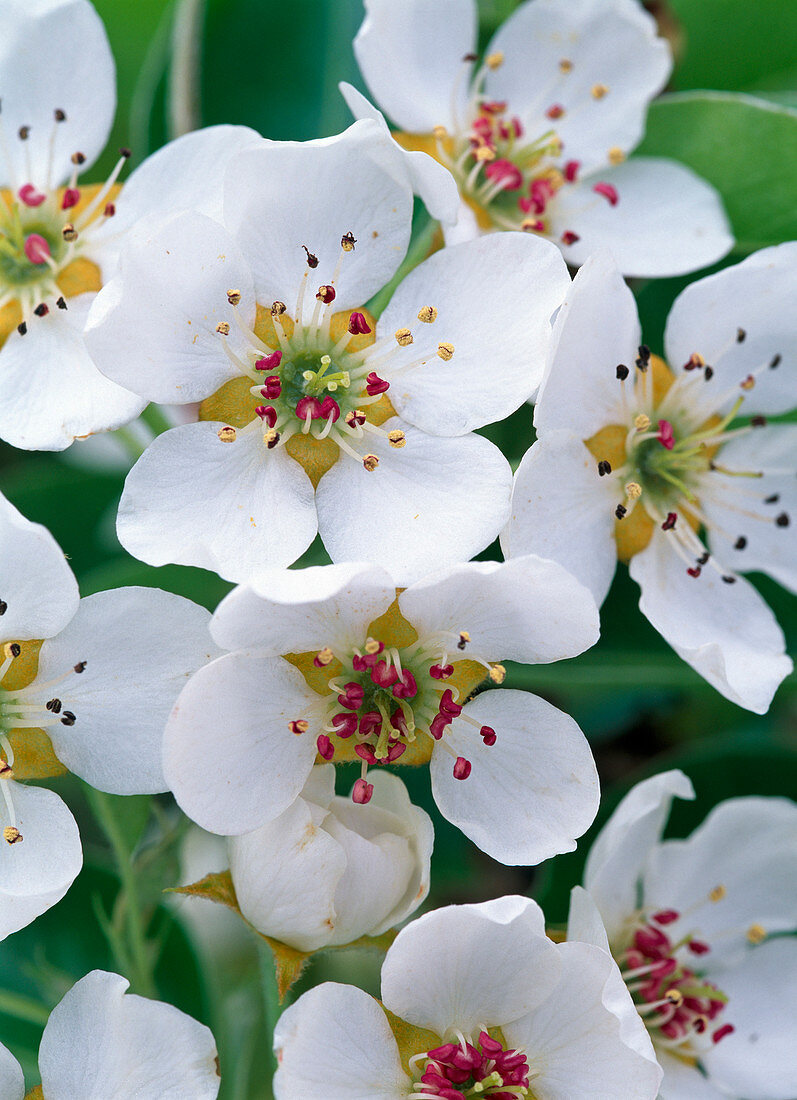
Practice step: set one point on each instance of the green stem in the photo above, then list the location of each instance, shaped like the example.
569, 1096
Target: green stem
133, 446
184, 82
141, 976
23, 1008
271, 1002
419, 249
154, 417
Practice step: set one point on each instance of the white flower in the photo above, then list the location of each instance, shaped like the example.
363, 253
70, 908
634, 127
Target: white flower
59, 237
99, 675
329, 420
100, 1043
329, 662
697, 927
634, 458
327, 871
483, 1005
537, 134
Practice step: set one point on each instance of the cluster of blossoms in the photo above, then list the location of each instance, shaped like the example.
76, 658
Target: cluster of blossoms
223, 279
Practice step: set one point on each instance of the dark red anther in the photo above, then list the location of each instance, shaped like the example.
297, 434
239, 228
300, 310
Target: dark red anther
448, 706
441, 672
462, 768
308, 406
326, 294
407, 686
362, 792
697, 947
493, 106
556, 110
30, 196
345, 724
366, 753
370, 722
669, 523
488, 735
268, 414
330, 409
505, 172
383, 674
568, 237
71, 198
666, 916
399, 722
110, 209
608, 192
272, 388
694, 571
358, 326
652, 943
721, 1032
397, 749
326, 750
437, 727
375, 385
270, 362
352, 695
666, 434
571, 170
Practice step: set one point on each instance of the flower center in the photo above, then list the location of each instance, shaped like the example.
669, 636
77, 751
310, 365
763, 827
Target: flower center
457, 1071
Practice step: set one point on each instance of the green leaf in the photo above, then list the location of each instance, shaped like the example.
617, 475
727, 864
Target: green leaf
746, 147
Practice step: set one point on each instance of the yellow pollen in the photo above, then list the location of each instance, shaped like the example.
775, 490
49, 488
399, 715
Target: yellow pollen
530, 225
370, 462
696, 360
227, 435
356, 416
11, 835
484, 152
756, 933
440, 133
633, 490
278, 308
445, 351
298, 726
464, 638
498, 674
69, 233
347, 242
616, 155
494, 60
598, 91
371, 646
565, 65
223, 328
272, 438
674, 996
403, 337
748, 382
325, 656
396, 438
718, 893
427, 314
233, 297
11, 649
5, 770
641, 422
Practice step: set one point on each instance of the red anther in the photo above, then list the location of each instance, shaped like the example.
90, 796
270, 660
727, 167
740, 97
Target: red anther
493, 106
326, 750
366, 753
407, 686
556, 110
666, 916
358, 326
448, 706
362, 792
669, 523
504, 170
694, 572
397, 749
666, 434
437, 727
374, 384
270, 362
273, 387
652, 943
488, 735
662, 970
299, 725
383, 674
697, 947
330, 408
721, 1032
370, 722
399, 722
71, 198
571, 170
30, 196
462, 768
326, 294
308, 406
267, 413
441, 672
482, 127
37, 249
608, 192
110, 209
569, 237
345, 724
352, 696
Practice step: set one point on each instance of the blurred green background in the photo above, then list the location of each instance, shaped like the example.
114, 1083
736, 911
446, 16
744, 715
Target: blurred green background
275, 66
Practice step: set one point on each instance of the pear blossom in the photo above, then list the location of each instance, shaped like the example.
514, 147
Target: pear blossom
636, 457
698, 927
330, 663
93, 679
315, 416
59, 237
537, 133
102, 1042
482, 1004
327, 871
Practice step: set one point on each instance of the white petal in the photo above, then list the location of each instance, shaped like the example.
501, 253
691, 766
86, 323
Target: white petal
757, 296
410, 55
433, 183
596, 329
724, 631
499, 326
527, 609
583, 1041
228, 755
100, 1042
614, 44
584, 923
38, 413
36, 871
563, 510
296, 610
432, 503
531, 793
230, 507
140, 646
284, 195
769, 548
435, 974
749, 847
618, 855
667, 220
36, 584
684, 1081
466, 227
12, 1080
757, 1059
335, 1044
153, 327
54, 55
